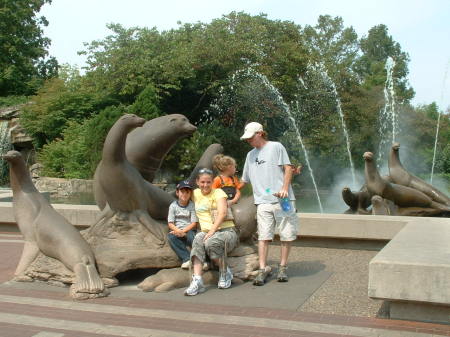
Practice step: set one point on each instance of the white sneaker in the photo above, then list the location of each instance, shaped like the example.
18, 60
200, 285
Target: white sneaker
205, 266
225, 278
186, 265
196, 287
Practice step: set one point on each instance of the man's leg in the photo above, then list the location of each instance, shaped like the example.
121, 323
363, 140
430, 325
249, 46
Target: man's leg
263, 251
288, 227
266, 229
285, 250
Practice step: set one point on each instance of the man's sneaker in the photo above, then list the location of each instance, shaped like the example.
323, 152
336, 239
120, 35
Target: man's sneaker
196, 286
260, 278
282, 275
186, 265
225, 278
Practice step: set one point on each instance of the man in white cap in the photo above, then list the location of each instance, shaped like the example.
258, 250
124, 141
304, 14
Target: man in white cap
269, 170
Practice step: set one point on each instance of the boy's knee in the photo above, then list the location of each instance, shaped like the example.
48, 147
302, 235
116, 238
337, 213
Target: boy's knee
171, 237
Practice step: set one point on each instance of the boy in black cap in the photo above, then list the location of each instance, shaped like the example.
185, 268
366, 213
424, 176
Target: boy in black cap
182, 222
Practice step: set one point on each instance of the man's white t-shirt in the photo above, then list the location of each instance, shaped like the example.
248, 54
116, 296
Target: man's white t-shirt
263, 169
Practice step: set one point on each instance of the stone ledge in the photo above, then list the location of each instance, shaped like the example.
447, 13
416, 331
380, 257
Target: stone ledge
341, 226
412, 271
351, 226
78, 215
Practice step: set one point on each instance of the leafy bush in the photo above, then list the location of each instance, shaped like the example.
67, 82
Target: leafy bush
56, 104
12, 100
78, 152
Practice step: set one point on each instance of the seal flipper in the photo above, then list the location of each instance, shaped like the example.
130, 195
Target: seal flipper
106, 213
87, 279
29, 254
440, 206
154, 227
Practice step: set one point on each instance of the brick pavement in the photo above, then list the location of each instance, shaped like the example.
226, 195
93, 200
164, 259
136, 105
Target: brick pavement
46, 311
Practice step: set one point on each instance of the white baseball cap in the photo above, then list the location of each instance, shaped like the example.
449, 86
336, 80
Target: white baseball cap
251, 129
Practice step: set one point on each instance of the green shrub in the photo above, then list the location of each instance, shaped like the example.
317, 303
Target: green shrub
78, 152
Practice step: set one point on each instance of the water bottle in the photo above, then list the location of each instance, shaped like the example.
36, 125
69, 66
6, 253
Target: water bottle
285, 204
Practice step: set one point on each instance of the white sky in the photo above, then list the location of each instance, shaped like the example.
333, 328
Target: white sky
422, 27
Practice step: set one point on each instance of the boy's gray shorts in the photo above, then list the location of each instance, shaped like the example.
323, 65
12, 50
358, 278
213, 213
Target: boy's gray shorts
214, 247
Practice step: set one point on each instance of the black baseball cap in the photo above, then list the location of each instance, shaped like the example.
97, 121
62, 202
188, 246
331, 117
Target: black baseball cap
184, 184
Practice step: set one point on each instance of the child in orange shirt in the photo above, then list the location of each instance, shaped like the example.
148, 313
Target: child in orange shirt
227, 179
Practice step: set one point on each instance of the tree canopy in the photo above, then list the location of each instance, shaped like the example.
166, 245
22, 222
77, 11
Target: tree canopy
225, 73
23, 47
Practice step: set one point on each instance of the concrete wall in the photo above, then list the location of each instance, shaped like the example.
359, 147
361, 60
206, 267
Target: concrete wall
78, 215
412, 271
342, 226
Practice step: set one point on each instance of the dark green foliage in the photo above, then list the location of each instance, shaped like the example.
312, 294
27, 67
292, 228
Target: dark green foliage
12, 100
23, 47
221, 75
56, 104
146, 104
77, 153
377, 46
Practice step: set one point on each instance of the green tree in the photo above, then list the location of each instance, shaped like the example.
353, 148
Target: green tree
78, 151
57, 103
23, 47
146, 104
333, 45
376, 47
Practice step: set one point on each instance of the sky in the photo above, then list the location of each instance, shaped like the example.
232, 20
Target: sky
422, 27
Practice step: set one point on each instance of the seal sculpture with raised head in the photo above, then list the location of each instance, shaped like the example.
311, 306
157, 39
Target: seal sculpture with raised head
147, 146
45, 230
357, 201
123, 187
400, 176
402, 196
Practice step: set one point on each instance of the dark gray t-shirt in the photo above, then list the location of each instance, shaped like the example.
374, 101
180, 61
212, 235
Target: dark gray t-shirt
263, 169
182, 216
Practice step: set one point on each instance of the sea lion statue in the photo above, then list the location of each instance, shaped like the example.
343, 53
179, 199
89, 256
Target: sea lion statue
400, 176
382, 206
46, 231
124, 188
357, 201
145, 149
147, 146
402, 196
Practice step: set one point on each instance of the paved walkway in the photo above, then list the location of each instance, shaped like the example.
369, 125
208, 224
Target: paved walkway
39, 310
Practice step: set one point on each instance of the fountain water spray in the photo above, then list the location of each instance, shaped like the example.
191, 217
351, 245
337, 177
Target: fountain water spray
252, 74
388, 114
438, 123
299, 137
286, 108
330, 82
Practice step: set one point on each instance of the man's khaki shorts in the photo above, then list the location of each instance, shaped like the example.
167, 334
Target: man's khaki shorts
271, 215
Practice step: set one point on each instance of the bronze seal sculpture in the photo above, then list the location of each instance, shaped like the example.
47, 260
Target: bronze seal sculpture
123, 187
46, 231
402, 196
147, 146
400, 176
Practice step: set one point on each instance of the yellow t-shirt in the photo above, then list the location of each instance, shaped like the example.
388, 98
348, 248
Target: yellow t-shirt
203, 206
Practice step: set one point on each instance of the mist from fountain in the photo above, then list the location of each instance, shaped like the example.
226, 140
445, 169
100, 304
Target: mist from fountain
299, 137
250, 73
438, 122
330, 82
287, 110
388, 118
